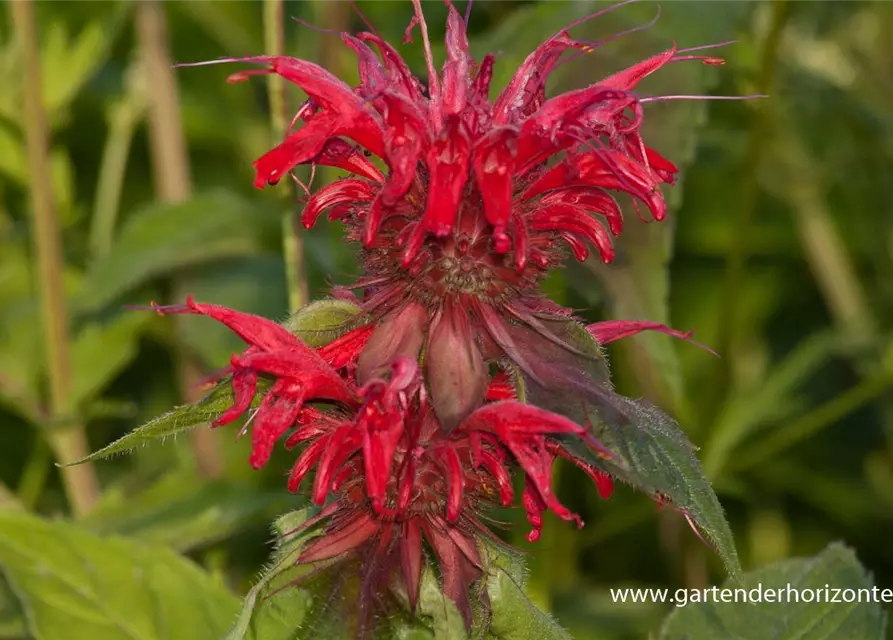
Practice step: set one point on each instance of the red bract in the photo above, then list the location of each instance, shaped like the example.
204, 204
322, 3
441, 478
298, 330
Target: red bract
478, 199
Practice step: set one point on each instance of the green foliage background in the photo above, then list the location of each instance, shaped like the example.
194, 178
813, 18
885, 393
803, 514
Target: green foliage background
778, 252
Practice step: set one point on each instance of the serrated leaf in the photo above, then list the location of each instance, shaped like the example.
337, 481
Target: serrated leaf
649, 450
172, 423
183, 511
836, 568
74, 584
162, 238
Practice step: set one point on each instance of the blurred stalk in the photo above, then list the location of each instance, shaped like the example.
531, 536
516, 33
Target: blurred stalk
8, 499
292, 241
794, 432
34, 475
747, 197
69, 442
123, 117
170, 166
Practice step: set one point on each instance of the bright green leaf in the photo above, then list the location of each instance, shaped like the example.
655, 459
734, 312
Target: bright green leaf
74, 584
837, 567
162, 238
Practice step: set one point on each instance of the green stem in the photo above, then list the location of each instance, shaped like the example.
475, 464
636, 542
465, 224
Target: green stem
736, 261
810, 424
69, 443
34, 475
170, 164
123, 118
292, 241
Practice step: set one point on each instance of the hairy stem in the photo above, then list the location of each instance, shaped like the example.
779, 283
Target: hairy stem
69, 442
170, 165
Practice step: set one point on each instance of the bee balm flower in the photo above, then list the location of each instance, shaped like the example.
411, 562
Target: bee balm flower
469, 202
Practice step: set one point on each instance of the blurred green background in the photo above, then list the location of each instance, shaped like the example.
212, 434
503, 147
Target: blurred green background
778, 252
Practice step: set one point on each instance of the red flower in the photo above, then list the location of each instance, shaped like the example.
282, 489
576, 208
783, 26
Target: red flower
478, 198
385, 471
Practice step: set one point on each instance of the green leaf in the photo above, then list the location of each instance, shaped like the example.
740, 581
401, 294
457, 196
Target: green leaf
12, 617
836, 568
163, 238
513, 615
272, 610
183, 511
99, 352
649, 450
172, 423
74, 584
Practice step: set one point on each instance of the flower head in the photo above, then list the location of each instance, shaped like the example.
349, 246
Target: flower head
384, 470
461, 203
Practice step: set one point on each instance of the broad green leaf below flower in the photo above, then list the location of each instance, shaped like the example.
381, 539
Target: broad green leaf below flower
836, 568
74, 584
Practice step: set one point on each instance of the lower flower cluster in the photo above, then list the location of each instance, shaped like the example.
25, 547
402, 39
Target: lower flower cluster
377, 461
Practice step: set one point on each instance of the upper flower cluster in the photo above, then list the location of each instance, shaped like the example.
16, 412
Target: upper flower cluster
467, 179
461, 204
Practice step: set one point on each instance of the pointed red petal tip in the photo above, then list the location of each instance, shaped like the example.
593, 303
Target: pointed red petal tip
611, 330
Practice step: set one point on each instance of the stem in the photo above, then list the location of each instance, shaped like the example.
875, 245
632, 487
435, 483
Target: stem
825, 416
170, 164
8, 499
123, 118
736, 261
69, 443
292, 241
34, 475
